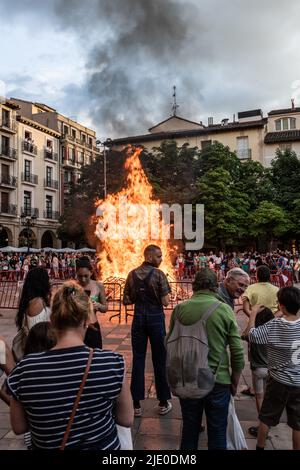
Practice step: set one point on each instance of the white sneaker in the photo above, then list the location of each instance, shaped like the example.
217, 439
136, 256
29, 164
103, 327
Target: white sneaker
163, 410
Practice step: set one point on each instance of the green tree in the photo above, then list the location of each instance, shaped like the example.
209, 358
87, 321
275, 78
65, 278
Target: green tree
225, 208
268, 220
285, 177
77, 224
172, 170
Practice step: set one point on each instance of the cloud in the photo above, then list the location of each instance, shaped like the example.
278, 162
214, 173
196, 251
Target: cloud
224, 57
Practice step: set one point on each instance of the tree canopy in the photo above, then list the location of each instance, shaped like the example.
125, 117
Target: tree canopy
242, 199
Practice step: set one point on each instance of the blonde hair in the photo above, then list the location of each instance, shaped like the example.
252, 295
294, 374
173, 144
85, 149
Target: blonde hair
70, 306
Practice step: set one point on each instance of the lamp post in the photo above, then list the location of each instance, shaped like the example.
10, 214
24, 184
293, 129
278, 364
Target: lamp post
28, 222
106, 144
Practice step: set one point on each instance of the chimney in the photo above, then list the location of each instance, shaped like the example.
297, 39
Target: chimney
233, 120
293, 103
210, 121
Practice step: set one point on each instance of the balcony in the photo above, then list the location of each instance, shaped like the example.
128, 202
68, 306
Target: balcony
30, 211
29, 178
9, 209
29, 147
49, 214
8, 125
8, 153
243, 154
52, 184
67, 136
7, 180
50, 155
70, 162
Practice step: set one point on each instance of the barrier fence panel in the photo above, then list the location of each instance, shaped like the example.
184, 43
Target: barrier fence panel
9, 294
114, 297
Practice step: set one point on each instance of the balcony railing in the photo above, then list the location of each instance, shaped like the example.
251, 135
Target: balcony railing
68, 136
48, 183
8, 152
30, 211
29, 178
29, 147
49, 214
243, 153
8, 180
50, 155
8, 124
10, 209
70, 162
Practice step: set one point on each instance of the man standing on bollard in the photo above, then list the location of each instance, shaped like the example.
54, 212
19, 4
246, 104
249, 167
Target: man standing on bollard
148, 289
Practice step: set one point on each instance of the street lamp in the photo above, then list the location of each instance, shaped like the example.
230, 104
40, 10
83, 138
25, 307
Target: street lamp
28, 222
107, 143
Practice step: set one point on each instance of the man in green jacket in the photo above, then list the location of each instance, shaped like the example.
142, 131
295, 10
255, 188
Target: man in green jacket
222, 331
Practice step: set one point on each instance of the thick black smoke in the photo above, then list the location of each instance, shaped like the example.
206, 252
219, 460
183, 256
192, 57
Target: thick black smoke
133, 65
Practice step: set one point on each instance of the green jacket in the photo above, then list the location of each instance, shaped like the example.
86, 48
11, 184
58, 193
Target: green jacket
221, 328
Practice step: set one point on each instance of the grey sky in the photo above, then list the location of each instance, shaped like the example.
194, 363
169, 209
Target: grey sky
112, 63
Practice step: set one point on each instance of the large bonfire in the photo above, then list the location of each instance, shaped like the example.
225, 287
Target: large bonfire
120, 254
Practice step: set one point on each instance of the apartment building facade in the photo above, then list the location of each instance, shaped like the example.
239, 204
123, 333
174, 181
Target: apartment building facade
41, 154
251, 135
9, 172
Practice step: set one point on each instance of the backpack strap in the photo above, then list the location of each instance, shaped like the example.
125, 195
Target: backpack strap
210, 311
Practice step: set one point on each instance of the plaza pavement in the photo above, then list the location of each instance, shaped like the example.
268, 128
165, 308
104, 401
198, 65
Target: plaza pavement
151, 431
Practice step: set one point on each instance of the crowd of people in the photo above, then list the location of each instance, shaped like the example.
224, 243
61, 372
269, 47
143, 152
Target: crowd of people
15, 266
82, 393
188, 263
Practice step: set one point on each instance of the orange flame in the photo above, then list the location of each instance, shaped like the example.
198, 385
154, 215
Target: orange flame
119, 256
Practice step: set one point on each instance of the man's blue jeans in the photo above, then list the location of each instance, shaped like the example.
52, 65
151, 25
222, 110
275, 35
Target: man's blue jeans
148, 323
216, 405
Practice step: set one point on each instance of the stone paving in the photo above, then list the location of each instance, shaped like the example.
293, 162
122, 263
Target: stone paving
151, 431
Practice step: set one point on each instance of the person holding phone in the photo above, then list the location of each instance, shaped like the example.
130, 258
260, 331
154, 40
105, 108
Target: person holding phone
95, 290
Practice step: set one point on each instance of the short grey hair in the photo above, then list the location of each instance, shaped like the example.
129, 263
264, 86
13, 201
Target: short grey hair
234, 272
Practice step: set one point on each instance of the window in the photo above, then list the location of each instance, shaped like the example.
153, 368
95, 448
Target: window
285, 124
48, 175
5, 145
27, 170
5, 173
49, 145
74, 133
4, 202
49, 200
5, 117
90, 141
243, 150
80, 157
205, 144
67, 177
28, 136
72, 155
83, 137
65, 130
27, 203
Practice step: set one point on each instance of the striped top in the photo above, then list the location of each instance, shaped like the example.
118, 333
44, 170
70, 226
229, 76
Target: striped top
47, 383
282, 338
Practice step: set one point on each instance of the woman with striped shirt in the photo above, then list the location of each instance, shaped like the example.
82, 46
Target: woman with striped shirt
44, 385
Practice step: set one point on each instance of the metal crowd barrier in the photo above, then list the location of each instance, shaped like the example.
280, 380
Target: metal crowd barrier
180, 291
114, 297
